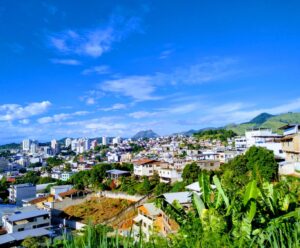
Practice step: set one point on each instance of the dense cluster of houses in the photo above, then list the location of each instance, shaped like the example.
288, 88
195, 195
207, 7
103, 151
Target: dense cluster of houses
165, 157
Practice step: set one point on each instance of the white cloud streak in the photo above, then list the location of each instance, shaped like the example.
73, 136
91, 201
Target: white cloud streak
143, 87
66, 61
117, 106
94, 42
60, 117
10, 112
100, 70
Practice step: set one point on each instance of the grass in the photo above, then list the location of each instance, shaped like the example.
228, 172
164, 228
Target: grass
97, 210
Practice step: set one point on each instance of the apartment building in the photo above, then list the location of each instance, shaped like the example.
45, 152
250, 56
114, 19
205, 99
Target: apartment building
20, 192
145, 167
26, 220
291, 142
170, 175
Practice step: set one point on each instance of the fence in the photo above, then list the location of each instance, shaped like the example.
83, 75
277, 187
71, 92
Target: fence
120, 195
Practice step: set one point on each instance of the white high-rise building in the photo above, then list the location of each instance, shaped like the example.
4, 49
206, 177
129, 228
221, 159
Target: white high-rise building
26, 145
68, 142
74, 145
104, 141
117, 140
34, 147
54, 146
87, 144
94, 143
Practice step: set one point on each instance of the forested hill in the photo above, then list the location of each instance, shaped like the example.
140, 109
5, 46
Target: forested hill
266, 120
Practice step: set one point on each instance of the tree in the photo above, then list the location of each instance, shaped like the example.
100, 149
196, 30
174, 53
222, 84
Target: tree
33, 242
258, 163
54, 161
67, 167
262, 163
161, 188
191, 172
146, 186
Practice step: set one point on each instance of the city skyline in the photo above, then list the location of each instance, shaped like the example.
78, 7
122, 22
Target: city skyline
113, 69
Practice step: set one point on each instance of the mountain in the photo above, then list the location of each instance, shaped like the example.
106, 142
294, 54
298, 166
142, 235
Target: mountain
10, 146
266, 120
147, 134
260, 119
193, 131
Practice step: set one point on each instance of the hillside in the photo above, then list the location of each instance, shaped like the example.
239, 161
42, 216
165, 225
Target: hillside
10, 146
260, 119
145, 135
266, 121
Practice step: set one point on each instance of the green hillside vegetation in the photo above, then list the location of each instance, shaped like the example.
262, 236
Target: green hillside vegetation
10, 146
250, 207
263, 117
218, 134
274, 122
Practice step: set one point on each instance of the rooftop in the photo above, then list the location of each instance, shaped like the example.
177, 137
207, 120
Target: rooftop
24, 185
117, 172
25, 215
150, 209
181, 197
145, 161
18, 236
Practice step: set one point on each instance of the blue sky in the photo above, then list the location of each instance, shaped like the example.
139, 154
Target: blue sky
93, 68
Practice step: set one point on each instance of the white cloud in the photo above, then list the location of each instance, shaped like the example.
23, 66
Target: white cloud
142, 114
117, 106
66, 61
165, 54
239, 112
10, 112
91, 97
101, 69
94, 42
24, 121
60, 117
142, 87
139, 88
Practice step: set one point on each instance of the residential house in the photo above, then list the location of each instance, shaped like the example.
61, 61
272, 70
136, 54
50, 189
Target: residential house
145, 167
291, 142
116, 174
19, 192
170, 175
56, 190
152, 220
26, 220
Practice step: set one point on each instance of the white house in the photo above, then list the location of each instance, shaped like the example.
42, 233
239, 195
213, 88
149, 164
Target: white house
145, 167
170, 175
19, 192
65, 176
56, 190
26, 220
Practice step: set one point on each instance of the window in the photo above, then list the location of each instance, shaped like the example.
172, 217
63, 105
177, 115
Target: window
42, 225
20, 229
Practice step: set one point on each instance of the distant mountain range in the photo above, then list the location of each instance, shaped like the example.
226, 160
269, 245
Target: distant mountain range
10, 146
147, 134
263, 120
266, 120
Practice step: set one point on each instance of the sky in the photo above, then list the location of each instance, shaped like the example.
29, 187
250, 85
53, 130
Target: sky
112, 68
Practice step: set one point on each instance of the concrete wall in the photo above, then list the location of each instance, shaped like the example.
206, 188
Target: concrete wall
120, 195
